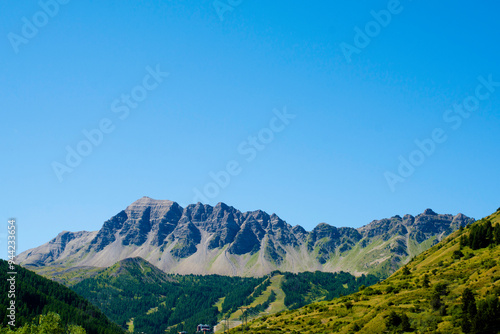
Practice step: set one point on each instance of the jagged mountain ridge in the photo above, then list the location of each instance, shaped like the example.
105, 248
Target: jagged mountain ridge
429, 294
201, 239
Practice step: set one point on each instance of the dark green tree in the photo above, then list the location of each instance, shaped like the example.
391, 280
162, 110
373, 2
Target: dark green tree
441, 289
487, 319
436, 301
469, 311
425, 281
405, 323
406, 271
496, 234
464, 241
397, 323
393, 320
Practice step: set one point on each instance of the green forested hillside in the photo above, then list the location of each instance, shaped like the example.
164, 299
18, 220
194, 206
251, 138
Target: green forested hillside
137, 295
453, 287
304, 288
134, 292
36, 295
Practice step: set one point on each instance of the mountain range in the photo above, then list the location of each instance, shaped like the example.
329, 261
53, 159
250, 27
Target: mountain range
201, 239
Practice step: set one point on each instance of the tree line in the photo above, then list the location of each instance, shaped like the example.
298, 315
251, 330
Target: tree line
481, 235
303, 288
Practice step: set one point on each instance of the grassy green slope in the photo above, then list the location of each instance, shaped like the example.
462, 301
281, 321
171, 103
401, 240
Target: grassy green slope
435, 307
283, 291
65, 275
277, 305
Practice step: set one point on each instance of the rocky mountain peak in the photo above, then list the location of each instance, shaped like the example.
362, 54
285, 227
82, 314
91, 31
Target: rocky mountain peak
408, 219
221, 210
429, 212
157, 208
221, 206
198, 212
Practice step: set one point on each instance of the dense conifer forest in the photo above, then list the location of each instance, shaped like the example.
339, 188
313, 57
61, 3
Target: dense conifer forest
36, 295
137, 295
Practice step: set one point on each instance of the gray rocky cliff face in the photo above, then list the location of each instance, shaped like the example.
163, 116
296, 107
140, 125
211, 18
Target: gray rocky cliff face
223, 240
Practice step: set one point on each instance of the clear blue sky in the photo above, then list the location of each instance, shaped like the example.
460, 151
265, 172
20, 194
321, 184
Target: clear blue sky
87, 65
